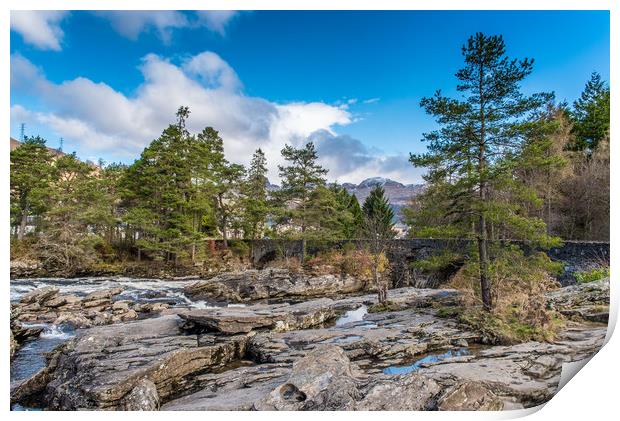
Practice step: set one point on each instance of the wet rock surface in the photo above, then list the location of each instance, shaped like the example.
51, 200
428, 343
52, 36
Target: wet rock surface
319, 354
48, 305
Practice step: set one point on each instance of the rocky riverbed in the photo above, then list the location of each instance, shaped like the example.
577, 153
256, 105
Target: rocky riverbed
298, 343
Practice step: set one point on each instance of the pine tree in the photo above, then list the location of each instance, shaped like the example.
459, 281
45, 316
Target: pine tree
349, 221
255, 200
473, 152
299, 181
591, 115
227, 198
66, 242
31, 176
159, 187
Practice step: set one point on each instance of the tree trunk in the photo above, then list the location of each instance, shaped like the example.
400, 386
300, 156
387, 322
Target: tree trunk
21, 232
485, 285
225, 238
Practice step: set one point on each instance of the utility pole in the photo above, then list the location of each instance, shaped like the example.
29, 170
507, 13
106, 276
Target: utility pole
62, 142
22, 132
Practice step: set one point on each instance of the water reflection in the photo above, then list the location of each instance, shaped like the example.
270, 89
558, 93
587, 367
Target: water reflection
433, 358
351, 316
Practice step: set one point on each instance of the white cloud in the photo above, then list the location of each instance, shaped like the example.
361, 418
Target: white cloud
95, 117
212, 71
40, 28
370, 100
217, 20
101, 120
131, 23
350, 160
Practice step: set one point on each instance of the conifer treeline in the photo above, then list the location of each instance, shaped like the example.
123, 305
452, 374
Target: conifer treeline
556, 177
181, 192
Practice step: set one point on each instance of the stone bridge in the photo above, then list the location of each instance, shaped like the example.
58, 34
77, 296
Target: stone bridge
576, 255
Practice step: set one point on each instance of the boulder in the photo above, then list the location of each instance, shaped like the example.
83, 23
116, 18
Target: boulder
326, 380
77, 321
103, 294
129, 315
96, 304
120, 306
22, 333
55, 302
13, 345
39, 295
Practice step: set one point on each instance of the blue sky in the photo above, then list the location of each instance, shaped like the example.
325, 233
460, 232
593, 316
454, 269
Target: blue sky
351, 81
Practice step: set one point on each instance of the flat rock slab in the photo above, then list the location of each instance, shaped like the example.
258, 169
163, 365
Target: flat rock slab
252, 285
279, 317
529, 372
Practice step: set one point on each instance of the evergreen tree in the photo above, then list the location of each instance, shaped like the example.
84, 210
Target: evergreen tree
350, 218
332, 219
159, 187
255, 200
378, 215
474, 150
544, 163
299, 180
109, 207
378, 229
207, 166
67, 242
227, 198
357, 214
591, 115
31, 175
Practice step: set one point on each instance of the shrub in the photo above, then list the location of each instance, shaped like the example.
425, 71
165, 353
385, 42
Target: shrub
518, 287
239, 248
385, 306
592, 275
438, 262
348, 262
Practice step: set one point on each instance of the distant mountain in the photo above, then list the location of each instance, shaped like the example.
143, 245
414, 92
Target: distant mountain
398, 194
272, 187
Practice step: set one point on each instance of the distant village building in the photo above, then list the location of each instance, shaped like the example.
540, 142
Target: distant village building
55, 152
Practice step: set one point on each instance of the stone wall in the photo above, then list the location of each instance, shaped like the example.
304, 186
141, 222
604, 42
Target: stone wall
577, 255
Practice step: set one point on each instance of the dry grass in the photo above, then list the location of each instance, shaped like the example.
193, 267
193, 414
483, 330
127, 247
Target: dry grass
518, 285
